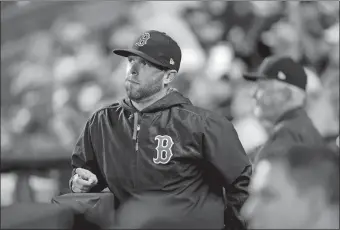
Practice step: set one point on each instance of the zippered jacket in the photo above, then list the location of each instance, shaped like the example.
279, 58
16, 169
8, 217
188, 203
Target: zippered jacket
170, 159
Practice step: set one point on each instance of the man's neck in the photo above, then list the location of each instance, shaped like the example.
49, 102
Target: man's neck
144, 103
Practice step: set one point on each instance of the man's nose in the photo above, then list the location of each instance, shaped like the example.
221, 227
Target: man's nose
134, 68
132, 72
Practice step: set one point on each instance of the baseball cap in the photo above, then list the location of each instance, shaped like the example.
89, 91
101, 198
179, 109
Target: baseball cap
280, 68
156, 47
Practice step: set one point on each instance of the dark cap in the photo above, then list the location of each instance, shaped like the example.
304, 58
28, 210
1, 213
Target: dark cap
157, 48
280, 68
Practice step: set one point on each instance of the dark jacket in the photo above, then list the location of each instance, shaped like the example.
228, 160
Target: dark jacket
119, 144
294, 127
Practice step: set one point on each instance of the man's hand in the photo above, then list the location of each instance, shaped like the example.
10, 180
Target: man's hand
83, 180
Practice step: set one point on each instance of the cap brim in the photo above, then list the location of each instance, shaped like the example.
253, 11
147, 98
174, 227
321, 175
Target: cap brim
255, 77
129, 52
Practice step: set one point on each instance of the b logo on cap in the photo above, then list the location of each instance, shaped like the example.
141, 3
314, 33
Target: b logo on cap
143, 39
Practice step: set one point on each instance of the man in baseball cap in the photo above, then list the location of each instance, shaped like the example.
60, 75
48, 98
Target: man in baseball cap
280, 98
153, 62
166, 160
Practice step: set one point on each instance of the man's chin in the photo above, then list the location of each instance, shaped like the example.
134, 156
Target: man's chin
133, 97
132, 94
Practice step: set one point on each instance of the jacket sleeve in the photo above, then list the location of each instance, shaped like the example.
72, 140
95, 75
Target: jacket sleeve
84, 156
223, 149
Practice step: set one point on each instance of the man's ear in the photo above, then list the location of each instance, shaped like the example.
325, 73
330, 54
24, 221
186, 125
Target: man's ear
169, 76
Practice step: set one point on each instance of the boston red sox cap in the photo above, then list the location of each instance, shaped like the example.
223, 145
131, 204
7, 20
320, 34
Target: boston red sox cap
280, 68
156, 47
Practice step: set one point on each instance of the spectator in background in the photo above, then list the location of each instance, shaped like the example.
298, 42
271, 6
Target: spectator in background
280, 98
296, 188
246, 124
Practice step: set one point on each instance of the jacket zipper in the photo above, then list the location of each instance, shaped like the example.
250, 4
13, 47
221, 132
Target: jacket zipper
136, 128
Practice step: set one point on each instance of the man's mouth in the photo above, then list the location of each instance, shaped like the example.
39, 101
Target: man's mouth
132, 81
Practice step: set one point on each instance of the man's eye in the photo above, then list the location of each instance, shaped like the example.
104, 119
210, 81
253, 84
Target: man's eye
144, 62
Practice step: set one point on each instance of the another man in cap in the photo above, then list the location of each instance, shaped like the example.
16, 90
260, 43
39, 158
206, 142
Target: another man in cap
280, 99
295, 188
165, 160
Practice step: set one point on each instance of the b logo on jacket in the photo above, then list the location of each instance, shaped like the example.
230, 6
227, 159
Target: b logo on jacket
164, 152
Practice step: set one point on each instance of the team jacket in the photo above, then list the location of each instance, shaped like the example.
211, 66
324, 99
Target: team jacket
170, 160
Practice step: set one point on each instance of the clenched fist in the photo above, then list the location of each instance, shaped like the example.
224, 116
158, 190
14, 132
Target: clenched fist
83, 180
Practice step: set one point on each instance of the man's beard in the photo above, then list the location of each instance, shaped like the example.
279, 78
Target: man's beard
138, 92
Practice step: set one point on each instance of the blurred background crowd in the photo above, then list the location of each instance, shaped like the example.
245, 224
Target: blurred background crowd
57, 68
